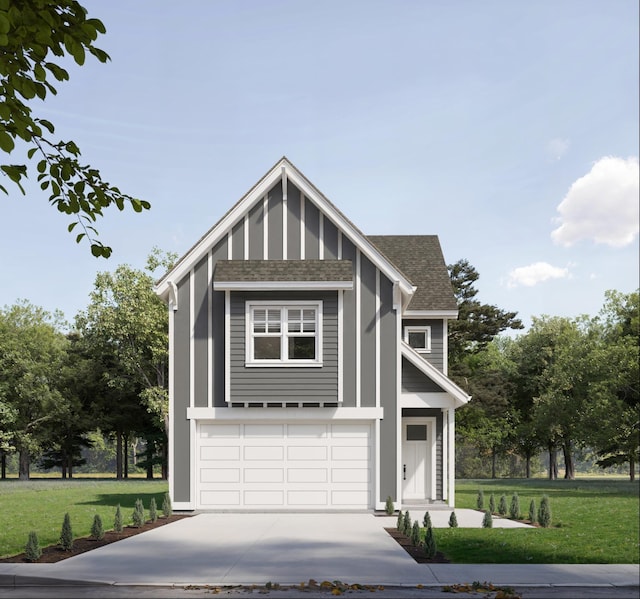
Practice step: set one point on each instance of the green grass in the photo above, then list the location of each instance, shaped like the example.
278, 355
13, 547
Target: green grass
595, 521
41, 504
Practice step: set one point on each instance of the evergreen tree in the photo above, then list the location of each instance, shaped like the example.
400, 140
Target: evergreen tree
426, 522
389, 507
167, 510
532, 511
453, 520
544, 512
514, 509
480, 500
502, 505
430, 547
117, 523
32, 549
492, 504
415, 534
400, 521
138, 514
66, 534
97, 531
153, 510
487, 521
407, 524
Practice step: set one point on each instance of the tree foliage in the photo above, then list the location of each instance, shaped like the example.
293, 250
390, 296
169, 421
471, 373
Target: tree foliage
36, 36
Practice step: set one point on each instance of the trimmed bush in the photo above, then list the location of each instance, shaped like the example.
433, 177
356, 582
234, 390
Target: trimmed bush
492, 504
429, 545
32, 549
117, 522
453, 520
167, 510
426, 521
532, 511
407, 524
389, 507
480, 500
415, 534
97, 531
400, 521
502, 505
514, 508
138, 514
487, 521
544, 512
66, 534
153, 510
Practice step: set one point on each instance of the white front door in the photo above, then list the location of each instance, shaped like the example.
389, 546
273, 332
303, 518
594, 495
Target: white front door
416, 459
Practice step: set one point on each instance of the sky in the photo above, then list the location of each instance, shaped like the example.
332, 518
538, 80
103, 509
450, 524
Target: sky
508, 129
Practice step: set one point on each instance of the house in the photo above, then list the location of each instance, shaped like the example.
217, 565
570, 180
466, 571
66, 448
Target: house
308, 361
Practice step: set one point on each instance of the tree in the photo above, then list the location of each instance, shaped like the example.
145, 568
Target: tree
31, 32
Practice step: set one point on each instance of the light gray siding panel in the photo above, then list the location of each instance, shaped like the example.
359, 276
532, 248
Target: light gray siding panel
312, 230
201, 334
437, 414
217, 330
181, 428
388, 391
435, 356
414, 381
293, 222
367, 333
237, 244
256, 232
349, 334
256, 384
330, 240
275, 222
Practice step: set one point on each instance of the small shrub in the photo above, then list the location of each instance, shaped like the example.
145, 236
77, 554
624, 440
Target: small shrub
66, 534
544, 512
532, 511
480, 500
514, 508
400, 521
97, 531
138, 514
407, 524
389, 507
117, 522
32, 549
502, 505
153, 510
487, 521
415, 534
426, 521
453, 520
429, 546
492, 504
167, 510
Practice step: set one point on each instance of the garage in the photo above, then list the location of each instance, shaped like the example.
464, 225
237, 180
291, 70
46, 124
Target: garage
294, 465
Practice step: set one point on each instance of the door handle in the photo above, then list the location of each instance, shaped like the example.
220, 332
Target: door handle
404, 472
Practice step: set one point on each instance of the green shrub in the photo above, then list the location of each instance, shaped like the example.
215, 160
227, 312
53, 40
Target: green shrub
544, 512
492, 504
415, 534
532, 511
167, 510
118, 525
502, 505
32, 549
480, 500
153, 510
66, 534
514, 508
389, 507
400, 521
426, 521
97, 531
429, 546
407, 524
453, 520
138, 514
487, 521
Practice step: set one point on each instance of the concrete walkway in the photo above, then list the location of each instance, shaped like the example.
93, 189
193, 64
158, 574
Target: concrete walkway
255, 548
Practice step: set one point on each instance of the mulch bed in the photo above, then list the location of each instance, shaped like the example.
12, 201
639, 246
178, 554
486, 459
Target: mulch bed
54, 553
417, 553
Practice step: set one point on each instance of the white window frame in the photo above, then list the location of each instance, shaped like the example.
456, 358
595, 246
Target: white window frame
282, 306
427, 337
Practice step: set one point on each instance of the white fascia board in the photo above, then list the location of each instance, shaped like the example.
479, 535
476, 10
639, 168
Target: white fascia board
242, 414
449, 314
281, 285
426, 400
434, 374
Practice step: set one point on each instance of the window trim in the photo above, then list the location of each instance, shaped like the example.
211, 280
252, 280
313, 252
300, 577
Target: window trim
419, 329
282, 306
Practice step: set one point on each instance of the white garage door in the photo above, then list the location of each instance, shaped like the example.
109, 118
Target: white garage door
284, 465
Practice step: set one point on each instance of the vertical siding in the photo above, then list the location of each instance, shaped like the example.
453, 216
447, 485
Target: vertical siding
293, 222
256, 232
349, 334
217, 329
312, 230
201, 334
237, 243
275, 222
367, 333
330, 240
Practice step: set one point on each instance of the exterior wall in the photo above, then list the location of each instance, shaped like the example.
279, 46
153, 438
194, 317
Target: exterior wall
414, 381
436, 355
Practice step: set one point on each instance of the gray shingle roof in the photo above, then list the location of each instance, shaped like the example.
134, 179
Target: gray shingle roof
283, 270
420, 259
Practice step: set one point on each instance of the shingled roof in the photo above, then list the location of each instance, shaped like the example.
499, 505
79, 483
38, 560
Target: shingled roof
420, 259
283, 270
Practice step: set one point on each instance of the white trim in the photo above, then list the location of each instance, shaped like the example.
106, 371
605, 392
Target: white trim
378, 308
426, 329
303, 227
321, 237
171, 414
426, 400
376, 466
339, 244
192, 338
193, 458
445, 454
227, 345
285, 209
430, 421
397, 309
183, 506
340, 346
445, 346
230, 245
245, 231
210, 329
358, 293
279, 414
265, 226
433, 314
173, 296
452, 449
282, 285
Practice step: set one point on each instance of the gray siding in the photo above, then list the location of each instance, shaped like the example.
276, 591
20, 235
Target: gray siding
330, 240
275, 222
256, 232
312, 231
435, 356
437, 414
293, 222
217, 331
237, 244
349, 335
414, 381
368, 333
201, 334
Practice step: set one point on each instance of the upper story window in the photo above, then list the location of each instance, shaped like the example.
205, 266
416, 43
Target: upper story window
284, 334
419, 338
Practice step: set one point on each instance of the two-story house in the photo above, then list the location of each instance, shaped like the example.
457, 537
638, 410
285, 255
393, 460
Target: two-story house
308, 361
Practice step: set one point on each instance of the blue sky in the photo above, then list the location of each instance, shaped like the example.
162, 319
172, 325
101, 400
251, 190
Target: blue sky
509, 129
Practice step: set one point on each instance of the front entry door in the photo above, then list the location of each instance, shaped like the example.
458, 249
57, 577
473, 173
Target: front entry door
415, 460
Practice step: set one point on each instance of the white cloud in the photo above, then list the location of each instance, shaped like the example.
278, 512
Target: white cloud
558, 147
531, 275
602, 206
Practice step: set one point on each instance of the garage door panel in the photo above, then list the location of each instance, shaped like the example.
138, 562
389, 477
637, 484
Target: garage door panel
219, 430
308, 498
264, 497
230, 452
340, 452
350, 475
261, 453
264, 475
264, 430
307, 475
219, 498
307, 453
220, 475
315, 431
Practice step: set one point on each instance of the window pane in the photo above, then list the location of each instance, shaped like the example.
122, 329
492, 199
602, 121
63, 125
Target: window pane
266, 348
417, 340
294, 315
309, 315
302, 348
309, 327
273, 326
416, 432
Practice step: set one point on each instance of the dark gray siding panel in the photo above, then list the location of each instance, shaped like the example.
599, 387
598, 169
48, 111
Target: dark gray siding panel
256, 232
275, 222
201, 334
437, 414
388, 390
237, 244
293, 222
181, 428
435, 356
256, 384
349, 335
330, 240
312, 230
367, 333
414, 381
217, 329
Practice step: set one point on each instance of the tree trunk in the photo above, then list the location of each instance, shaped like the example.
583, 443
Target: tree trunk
63, 470
24, 464
553, 462
118, 454
569, 466
165, 460
528, 466
125, 456
3, 465
70, 467
149, 456
493, 463
632, 468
